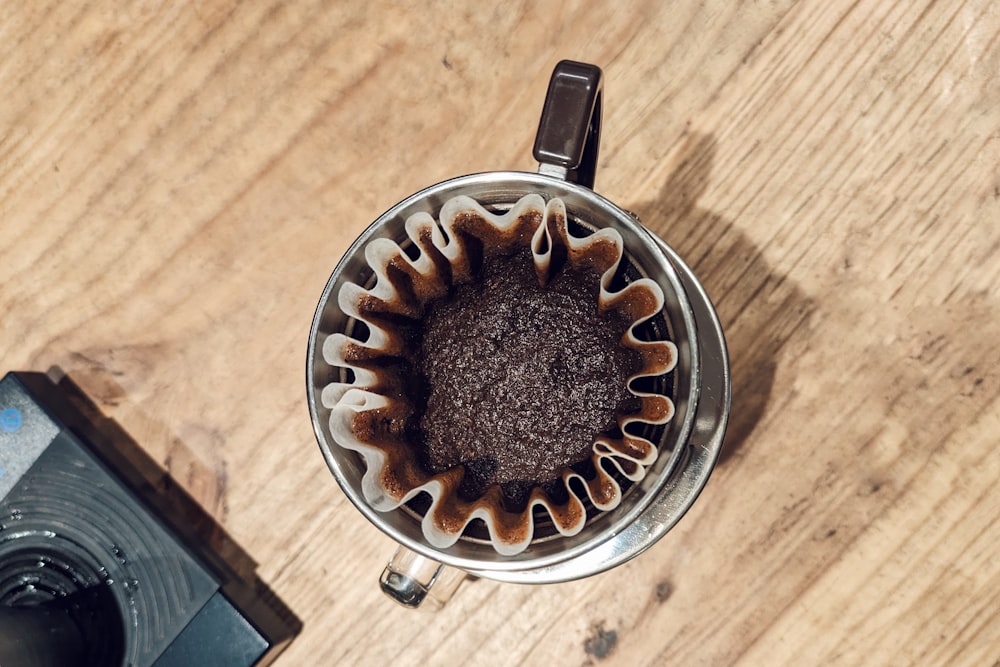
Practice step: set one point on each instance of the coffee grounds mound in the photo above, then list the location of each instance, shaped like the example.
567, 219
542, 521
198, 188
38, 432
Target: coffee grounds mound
520, 378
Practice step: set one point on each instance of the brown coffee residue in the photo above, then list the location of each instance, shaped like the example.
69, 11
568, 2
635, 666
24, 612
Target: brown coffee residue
601, 642
520, 377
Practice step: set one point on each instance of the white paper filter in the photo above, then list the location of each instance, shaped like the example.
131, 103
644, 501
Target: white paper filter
366, 412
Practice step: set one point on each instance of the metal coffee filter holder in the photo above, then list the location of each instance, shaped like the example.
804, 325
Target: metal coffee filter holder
566, 147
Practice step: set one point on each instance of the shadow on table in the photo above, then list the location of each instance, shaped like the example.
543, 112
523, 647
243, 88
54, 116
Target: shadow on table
759, 307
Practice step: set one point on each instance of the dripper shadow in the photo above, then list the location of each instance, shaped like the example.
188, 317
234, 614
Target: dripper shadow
759, 307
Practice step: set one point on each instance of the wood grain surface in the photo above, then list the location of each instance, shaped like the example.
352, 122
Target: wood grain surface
177, 181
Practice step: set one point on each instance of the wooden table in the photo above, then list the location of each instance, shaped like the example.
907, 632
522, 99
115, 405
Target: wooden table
178, 181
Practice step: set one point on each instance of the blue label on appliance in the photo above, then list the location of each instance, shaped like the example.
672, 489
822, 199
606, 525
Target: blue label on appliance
25, 432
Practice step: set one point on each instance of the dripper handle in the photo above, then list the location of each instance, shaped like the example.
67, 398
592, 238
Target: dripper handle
414, 580
569, 132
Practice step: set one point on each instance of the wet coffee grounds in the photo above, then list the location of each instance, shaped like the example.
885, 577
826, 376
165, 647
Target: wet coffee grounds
520, 378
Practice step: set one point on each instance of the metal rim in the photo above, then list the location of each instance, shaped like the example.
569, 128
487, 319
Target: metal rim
563, 564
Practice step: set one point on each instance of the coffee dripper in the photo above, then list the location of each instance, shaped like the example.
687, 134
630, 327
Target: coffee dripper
566, 147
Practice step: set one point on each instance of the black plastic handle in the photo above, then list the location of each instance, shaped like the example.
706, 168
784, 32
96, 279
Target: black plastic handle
569, 133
